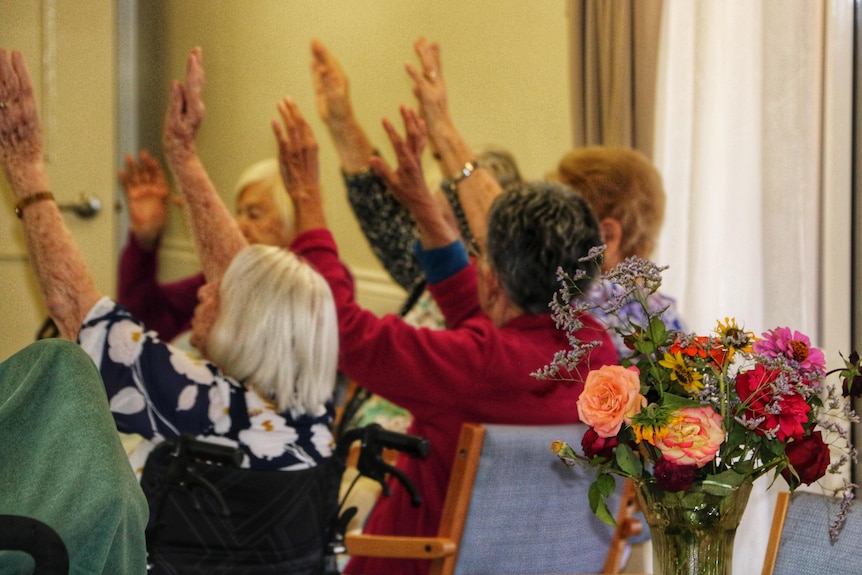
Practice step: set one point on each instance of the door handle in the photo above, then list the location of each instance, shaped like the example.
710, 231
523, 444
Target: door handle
86, 207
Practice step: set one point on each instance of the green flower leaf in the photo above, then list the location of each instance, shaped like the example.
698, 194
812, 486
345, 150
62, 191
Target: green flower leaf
629, 464
657, 331
675, 402
598, 494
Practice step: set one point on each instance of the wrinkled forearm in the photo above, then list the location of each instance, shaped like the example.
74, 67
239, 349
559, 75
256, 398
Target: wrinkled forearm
58, 265
217, 235
476, 192
352, 144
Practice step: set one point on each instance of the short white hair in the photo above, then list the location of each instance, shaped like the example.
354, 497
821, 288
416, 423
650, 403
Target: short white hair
268, 172
277, 330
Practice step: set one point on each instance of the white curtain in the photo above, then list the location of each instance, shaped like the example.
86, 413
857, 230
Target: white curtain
738, 142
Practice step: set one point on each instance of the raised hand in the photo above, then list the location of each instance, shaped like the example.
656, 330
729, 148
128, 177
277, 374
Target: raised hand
216, 232
297, 155
407, 181
66, 285
330, 85
333, 105
185, 111
147, 195
20, 131
429, 87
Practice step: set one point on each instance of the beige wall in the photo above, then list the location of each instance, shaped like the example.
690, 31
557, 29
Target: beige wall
505, 62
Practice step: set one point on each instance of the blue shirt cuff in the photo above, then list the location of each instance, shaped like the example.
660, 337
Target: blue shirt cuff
442, 263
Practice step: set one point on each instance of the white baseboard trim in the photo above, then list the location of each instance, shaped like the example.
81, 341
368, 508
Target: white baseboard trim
376, 292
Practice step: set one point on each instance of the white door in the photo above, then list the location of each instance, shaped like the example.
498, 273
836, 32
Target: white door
70, 49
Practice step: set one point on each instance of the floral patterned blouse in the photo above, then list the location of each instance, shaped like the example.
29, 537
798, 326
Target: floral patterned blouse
389, 226
159, 391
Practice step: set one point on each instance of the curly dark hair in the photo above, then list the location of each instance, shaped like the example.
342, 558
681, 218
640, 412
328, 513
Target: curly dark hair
534, 228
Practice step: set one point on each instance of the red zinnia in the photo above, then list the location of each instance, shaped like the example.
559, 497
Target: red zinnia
754, 389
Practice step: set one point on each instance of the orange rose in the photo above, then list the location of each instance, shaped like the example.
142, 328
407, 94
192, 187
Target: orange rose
611, 395
693, 437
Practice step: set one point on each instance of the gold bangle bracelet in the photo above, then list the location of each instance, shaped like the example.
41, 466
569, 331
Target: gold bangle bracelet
31, 199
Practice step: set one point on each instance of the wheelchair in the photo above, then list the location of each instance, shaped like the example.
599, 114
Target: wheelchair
207, 515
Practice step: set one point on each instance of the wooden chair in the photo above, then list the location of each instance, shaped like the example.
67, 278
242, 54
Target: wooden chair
799, 539
511, 508
630, 523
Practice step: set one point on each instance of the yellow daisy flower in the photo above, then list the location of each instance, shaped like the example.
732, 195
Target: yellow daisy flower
691, 380
734, 337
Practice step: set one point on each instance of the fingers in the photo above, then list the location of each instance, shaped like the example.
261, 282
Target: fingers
297, 129
126, 176
8, 80
143, 178
5, 72
406, 154
407, 181
429, 58
394, 136
319, 52
150, 164
415, 129
297, 147
195, 84
176, 103
20, 132
21, 75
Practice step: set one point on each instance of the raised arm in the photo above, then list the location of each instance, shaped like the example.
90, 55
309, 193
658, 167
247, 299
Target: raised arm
59, 267
408, 184
386, 224
217, 235
333, 104
476, 187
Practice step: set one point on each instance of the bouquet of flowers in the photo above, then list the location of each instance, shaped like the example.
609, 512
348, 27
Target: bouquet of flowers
707, 410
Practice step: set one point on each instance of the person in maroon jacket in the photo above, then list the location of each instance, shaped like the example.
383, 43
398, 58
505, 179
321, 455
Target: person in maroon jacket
500, 330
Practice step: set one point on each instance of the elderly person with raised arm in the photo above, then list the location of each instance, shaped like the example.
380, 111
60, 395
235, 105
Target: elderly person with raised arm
272, 359
500, 329
264, 214
386, 223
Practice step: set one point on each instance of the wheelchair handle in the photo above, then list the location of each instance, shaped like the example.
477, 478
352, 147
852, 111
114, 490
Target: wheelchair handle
409, 444
220, 454
374, 438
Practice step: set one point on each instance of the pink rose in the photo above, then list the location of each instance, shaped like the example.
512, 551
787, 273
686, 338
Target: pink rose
611, 395
693, 437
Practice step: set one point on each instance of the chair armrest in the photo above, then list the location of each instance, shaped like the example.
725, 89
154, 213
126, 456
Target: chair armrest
399, 547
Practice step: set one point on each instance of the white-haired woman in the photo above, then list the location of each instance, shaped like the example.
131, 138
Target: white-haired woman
270, 366
264, 214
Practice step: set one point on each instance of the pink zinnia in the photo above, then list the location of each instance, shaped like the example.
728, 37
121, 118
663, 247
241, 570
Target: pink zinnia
793, 345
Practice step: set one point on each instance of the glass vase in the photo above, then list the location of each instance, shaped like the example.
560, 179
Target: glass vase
693, 530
